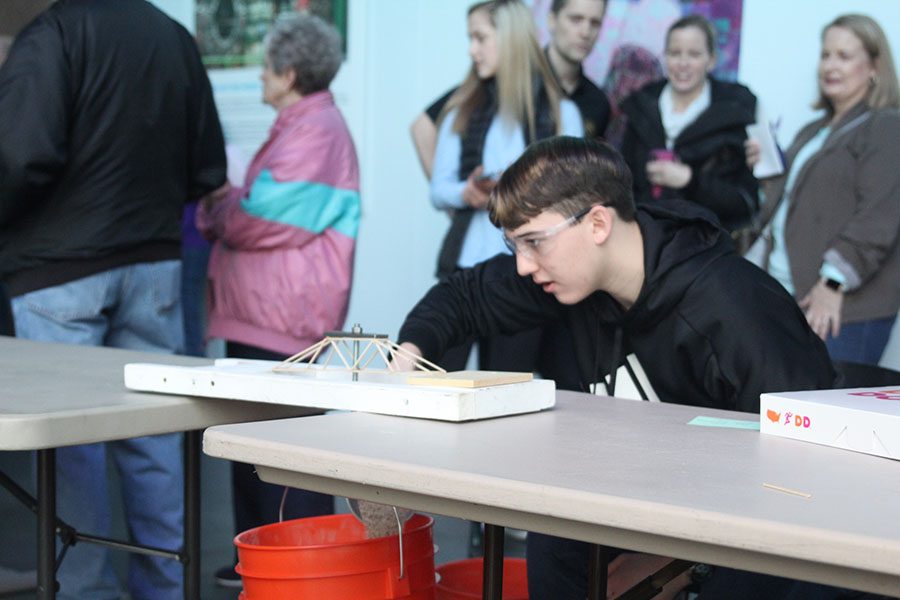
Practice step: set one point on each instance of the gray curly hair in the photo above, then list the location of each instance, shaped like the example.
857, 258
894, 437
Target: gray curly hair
309, 46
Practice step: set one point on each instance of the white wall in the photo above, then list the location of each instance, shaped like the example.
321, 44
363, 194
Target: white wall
402, 55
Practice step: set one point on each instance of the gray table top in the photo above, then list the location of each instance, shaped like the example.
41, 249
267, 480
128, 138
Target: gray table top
55, 395
623, 473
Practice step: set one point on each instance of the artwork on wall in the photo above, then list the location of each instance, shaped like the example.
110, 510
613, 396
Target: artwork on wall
230, 33
725, 15
629, 51
642, 24
231, 36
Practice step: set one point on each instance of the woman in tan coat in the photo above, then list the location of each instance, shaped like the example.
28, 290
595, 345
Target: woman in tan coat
834, 217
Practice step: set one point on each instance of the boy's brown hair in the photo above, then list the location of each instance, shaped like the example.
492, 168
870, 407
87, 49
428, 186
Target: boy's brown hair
565, 175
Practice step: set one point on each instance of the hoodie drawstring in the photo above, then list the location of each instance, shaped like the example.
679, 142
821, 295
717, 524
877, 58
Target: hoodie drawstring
616, 358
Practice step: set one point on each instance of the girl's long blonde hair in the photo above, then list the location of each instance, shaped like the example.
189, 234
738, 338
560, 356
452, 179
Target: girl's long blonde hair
520, 61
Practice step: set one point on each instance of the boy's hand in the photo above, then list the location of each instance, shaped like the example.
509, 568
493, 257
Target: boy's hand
404, 362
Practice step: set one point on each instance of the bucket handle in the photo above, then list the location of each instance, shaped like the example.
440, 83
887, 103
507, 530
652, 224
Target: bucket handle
400, 538
283, 500
396, 518
354, 508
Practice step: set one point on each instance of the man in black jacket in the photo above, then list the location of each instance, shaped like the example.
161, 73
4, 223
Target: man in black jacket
658, 289
107, 127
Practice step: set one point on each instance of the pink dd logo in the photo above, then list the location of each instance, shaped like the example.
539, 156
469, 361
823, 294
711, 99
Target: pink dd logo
880, 394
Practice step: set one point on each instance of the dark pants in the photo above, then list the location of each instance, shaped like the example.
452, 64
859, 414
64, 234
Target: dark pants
194, 263
255, 502
557, 567
863, 342
558, 570
6, 319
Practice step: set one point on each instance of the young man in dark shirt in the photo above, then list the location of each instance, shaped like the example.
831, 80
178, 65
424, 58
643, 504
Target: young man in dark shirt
658, 286
574, 27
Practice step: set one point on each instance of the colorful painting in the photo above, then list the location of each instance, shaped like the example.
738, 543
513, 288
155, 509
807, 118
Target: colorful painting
643, 24
230, 33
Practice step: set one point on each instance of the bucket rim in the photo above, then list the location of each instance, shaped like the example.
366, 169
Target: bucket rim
415, 524
335, 574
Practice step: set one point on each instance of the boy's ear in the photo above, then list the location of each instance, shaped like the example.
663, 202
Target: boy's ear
601, 220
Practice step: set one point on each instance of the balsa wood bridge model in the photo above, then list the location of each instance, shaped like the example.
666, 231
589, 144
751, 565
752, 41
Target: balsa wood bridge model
354, 371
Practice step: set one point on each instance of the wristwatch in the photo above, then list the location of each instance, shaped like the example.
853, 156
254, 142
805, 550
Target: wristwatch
834, 285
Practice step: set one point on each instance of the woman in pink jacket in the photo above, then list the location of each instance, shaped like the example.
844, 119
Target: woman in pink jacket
282, 263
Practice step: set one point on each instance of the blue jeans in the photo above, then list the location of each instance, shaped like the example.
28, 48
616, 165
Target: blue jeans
136, 307
863, 342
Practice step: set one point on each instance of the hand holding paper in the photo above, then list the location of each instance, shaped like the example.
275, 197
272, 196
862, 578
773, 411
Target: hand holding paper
769, 162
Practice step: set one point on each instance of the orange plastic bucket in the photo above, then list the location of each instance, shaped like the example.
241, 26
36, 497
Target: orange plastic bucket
330, 557
463, 580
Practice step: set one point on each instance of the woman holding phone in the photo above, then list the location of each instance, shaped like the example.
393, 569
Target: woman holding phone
685, 134
509, 99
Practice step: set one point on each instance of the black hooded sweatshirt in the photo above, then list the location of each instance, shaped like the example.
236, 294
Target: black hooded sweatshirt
709, 328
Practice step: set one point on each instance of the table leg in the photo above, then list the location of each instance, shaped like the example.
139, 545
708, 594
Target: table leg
46, 564
192, 514
598, 565
492, 585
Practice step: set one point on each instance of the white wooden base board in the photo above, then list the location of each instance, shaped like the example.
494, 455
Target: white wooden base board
381, 392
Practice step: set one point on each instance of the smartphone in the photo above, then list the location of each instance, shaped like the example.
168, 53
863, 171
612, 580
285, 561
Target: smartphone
662, 154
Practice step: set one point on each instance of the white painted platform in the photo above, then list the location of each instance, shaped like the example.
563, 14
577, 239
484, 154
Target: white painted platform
382, 392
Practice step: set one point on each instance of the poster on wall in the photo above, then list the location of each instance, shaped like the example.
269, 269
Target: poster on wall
642, 24
230, 33
231, 36
629, 51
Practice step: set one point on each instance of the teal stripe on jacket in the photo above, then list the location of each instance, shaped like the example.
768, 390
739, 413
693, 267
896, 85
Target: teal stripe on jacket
312, 206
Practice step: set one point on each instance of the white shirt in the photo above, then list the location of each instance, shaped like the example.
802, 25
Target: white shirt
779, 263
675, 122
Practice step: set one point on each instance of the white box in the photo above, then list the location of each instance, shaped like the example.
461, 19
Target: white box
860, 419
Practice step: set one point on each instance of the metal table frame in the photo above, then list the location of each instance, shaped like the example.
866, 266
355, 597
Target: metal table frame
55, 395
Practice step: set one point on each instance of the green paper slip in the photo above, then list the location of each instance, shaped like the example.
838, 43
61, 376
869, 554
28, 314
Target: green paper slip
728, 423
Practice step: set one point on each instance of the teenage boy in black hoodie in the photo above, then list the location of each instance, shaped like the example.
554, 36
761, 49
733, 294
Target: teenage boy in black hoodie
661, 282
